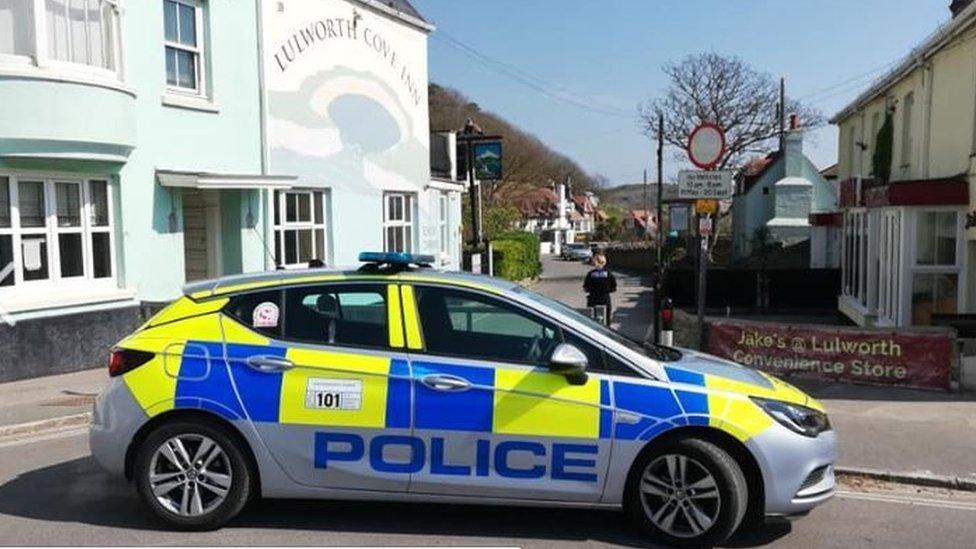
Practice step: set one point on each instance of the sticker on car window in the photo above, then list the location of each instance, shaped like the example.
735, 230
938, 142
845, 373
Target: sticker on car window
334, 394
265, 315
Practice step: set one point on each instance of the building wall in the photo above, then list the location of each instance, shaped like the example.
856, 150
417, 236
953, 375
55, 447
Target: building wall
223, 137
347, 112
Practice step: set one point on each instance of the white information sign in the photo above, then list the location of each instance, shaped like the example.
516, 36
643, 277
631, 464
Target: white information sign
334, 394
697, 184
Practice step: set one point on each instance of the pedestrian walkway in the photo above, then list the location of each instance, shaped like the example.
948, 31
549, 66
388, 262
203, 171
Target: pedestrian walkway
633, 303
46, 398
881, 428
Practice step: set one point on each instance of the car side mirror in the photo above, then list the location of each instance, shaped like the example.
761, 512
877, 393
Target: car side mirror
568, 360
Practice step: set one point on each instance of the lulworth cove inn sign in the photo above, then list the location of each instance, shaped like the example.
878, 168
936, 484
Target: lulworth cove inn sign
319, 33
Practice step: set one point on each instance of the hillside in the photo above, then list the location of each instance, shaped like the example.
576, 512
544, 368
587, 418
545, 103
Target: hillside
527, 163
631, 197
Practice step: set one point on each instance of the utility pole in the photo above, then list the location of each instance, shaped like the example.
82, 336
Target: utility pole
659, 269
782, 112
647, 209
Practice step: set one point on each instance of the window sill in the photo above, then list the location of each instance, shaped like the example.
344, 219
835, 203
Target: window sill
62, 73
46, 297
193, 103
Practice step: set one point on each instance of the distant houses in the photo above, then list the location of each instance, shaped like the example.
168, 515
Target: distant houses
782, 201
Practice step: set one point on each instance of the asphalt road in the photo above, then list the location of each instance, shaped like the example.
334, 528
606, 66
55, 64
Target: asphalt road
52, 493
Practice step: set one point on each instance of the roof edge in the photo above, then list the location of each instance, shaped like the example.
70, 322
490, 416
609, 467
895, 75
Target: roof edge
928, 47
405, 17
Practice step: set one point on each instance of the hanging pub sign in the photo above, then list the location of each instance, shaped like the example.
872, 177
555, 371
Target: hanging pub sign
488, 160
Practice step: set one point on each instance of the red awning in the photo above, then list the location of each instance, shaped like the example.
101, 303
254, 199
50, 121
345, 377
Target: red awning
946, 191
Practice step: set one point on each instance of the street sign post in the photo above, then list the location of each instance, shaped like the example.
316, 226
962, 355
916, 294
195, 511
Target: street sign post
706, 147
696, 184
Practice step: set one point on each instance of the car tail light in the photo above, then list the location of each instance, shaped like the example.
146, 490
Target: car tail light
121, 360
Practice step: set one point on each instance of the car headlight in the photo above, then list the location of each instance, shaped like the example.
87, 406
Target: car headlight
799, 419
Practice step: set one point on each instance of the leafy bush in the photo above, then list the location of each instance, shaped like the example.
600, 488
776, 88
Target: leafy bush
516, 255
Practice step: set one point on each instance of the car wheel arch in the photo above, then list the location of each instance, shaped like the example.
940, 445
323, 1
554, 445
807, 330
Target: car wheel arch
193, 415
755, 511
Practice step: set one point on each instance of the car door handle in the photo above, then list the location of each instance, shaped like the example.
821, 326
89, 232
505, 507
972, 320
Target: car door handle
269, 363
446, 383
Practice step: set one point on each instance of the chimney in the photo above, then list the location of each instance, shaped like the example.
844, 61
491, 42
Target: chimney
794, 121
957, 6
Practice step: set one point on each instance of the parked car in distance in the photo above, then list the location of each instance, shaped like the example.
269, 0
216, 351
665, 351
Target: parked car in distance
576, 252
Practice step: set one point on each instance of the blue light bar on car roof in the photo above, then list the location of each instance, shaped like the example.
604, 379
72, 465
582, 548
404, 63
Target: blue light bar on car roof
396, 258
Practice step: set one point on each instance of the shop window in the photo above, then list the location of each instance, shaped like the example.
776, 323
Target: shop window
54, 230
182, 22
933, 293
935, 242
937, 269
398, 225
299, 225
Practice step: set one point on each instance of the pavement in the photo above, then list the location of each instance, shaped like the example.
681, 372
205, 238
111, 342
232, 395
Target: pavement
893, 432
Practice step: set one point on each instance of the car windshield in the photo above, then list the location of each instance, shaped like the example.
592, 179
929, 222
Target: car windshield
651, 350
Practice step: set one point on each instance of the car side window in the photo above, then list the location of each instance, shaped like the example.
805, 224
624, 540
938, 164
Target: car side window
351, 315
594, 355
618, 367
259, 311
470, 325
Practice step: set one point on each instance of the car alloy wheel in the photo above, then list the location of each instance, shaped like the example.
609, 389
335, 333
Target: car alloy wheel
190, 475
680, 496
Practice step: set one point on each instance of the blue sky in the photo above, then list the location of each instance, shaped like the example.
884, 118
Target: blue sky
607, 54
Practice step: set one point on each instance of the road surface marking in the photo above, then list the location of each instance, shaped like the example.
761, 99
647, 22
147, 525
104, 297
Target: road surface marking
909, 500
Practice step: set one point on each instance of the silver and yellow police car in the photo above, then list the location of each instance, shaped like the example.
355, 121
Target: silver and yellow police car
399, 382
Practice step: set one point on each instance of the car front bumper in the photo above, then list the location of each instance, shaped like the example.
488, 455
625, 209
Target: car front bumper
798, 471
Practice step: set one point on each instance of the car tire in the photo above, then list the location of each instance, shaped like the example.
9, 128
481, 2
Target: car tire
205, 499
678, 509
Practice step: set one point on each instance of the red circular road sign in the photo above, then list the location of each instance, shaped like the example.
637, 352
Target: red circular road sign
706, 145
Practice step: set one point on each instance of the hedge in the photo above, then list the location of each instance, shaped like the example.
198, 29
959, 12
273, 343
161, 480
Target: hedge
516, 255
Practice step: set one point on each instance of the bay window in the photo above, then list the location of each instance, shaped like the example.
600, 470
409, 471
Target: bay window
55, 229
299, 227
398, 222
73, 34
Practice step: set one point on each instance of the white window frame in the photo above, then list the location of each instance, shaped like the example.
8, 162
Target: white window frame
407, 223
443, 215
854, 283
199, 51
280, 227
51, 231
957, 268
906, 141
43, 58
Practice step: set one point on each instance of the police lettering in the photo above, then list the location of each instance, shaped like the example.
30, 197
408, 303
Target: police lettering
509, 458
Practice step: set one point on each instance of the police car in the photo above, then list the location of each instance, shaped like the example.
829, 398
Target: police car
399, 382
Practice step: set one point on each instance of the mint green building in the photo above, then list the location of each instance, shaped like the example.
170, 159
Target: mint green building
135, 157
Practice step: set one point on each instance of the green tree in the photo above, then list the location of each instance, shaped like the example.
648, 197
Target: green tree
881, 159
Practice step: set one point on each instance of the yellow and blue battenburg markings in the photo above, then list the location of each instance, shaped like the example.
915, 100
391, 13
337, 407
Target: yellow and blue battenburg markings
194, 373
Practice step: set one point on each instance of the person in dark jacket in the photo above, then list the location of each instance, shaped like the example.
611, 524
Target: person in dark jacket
599, 284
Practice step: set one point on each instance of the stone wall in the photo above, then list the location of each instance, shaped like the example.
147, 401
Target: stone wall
62, 344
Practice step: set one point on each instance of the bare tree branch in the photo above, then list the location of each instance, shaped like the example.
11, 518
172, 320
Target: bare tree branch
725, 91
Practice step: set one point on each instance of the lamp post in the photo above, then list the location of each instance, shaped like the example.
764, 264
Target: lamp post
469, 132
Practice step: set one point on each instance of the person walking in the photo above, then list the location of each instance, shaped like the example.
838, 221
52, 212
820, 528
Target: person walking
599, 284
